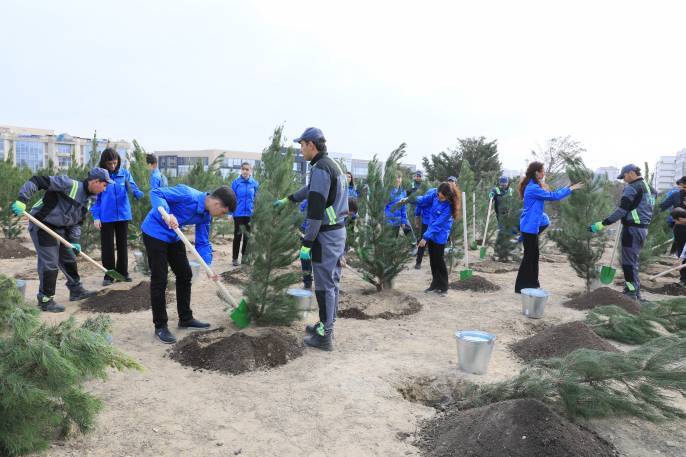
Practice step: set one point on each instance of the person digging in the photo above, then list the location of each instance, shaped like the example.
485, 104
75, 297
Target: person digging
635, 211
501, 196
679, 217
63, 207
324, 239
185, 206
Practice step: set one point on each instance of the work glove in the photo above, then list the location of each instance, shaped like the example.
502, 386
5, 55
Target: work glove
76, 247
280, 203
305, 253
595, 227
18, 208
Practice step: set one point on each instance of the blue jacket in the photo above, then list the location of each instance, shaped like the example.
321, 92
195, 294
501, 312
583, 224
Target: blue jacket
534, 199
303, 209
157, 179
352, 192
113, 205
424, 203
399, 215
673, 199
245, 190
441, 222
188, 206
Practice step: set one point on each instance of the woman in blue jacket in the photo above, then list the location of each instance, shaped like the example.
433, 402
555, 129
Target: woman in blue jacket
423, 211
245, 188
396, 211
112, 213
534, 193
352, 190
444, 210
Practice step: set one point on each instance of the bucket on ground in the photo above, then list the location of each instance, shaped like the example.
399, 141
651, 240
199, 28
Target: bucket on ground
533, 302
21, 285
474, 349
304, 299
195, 268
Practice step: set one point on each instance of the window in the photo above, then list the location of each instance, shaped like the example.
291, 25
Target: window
63, 162
30, 154
64, 149
88, 147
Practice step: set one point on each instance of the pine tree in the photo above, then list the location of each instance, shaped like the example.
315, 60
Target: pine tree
140, 208
42, 371
11, 177
274, 239
504, 246
381, 255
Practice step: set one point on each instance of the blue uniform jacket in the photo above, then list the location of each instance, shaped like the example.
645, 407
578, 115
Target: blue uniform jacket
673, 199
157, 179
113, 205
352, 192
188, 206
424, 203
245, 190
399, 216
441, 222
534, 200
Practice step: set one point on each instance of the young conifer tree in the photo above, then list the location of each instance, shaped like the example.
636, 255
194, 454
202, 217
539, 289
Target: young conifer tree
139, 208
274, 239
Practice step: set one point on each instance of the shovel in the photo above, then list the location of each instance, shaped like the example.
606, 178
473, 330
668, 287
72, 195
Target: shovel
607, 273
482, 250
239, 315
466, 273
111, 273
677, 268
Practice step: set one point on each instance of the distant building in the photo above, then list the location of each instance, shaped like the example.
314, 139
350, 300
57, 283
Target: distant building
665, 173
179, 163
509, 173
610, 172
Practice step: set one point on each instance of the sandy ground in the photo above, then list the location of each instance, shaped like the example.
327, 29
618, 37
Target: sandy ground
343, 403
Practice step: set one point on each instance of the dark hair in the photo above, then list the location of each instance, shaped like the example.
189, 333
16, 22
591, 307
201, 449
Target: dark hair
320, 145
150, 159
246, 163
352, 179
451, 192
109, 155
681, 180
678, 213
225, 195
352, 205
528, 176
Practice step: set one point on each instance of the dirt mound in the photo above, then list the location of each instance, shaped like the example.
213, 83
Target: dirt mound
389, 304
513, 428
493, 267
134, 299
671, 288
603, 296
475, 284
235, 276
13, 249
237, 352
559, 341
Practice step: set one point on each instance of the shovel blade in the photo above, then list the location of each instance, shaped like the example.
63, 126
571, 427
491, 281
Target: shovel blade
240, 316
465, 274
482, 253
114, 274
607, 275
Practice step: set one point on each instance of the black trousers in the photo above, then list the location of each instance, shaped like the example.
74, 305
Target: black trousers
238, 222
528, 269
439, 271
420, 251
679, 231
161, 254
108, 232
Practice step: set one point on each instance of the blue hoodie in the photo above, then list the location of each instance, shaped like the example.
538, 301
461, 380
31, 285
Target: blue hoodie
113, 205
157, 179
441, 222
399, 216
352, 192
424, 203
534, 201
245, 190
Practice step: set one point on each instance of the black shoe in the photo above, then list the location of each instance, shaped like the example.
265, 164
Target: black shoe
165, 336
442, 293
80, 293
311, 329
417, 266
107, 282
325, 343
193, 323
234, 262
429, 290
128, 279
307, 285
49, 305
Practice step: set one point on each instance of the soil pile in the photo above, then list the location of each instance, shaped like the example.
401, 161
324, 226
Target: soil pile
513, 428
368, 304
235, 276
603, 296
672, 288
235, 353
490, 266
121, 301
559, 341
475, 284
13, 249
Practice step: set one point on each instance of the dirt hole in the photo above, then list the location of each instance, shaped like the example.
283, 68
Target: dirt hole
603, 296
130, 300
235, 276
474, 284
367, 304
671, 288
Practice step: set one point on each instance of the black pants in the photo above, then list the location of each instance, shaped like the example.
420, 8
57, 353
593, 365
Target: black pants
238, 234
108, 232
420, 251
682, 272
161, 254
439, 272
528, 269
679, 231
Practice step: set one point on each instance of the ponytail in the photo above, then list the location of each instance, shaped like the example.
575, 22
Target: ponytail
451, 192
530, 175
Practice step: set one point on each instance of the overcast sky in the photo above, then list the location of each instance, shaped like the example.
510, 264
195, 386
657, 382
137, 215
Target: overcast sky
371, 74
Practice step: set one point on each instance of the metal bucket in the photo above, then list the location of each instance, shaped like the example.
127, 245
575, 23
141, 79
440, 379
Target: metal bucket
533, 302
21, 285
303, 298
474, 349
195, 268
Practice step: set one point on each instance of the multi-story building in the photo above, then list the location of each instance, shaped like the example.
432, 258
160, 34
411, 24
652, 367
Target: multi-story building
179, 163
680, 164
665, 173
610, 172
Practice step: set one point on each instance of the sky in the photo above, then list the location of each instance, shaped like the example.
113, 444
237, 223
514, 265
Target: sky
371, 74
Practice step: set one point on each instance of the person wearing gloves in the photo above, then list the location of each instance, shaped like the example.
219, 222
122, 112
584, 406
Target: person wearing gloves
112, 213
157, 179
324, 240
676, 198
500, 196
635, 210
422, 214
534, 193
445, 209
62, 208
245, 187
185, 206
396, 209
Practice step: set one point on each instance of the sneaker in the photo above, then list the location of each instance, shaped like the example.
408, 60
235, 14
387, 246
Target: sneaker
429, 290
311, 329
317, 341
193, 323
48, 304
107, 282
80, 293
164, 335
417, 266
234, 262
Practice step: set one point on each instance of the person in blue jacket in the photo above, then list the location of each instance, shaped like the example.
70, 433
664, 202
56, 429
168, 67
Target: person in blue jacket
445, 209
185, 206
157, 179
396, 211
676, 198
245, 187
534, 193
422, 214
112, 213
352, 190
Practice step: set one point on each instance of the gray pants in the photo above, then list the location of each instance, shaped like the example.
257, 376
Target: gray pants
327, 251
633, 239
53, 256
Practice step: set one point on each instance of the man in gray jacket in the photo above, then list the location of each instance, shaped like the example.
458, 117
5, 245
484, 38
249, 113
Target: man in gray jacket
62, 208
324, 239
635, 211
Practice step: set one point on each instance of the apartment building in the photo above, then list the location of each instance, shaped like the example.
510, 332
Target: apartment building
610, 172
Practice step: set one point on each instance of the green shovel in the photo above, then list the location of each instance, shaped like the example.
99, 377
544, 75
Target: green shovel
607, 273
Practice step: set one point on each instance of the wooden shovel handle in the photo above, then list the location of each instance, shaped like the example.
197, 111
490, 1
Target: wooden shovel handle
667, 271
488, 219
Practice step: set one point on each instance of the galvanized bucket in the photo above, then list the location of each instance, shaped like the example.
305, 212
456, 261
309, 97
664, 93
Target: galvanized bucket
304, 299
533, 302
474, 349
21, 285
195, 268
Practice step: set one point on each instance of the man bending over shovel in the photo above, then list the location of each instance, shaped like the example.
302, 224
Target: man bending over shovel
62, 208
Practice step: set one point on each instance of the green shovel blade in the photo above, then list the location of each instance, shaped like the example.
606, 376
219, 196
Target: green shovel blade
114, 274
482, 252
607, 275
465, 274
240, 315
